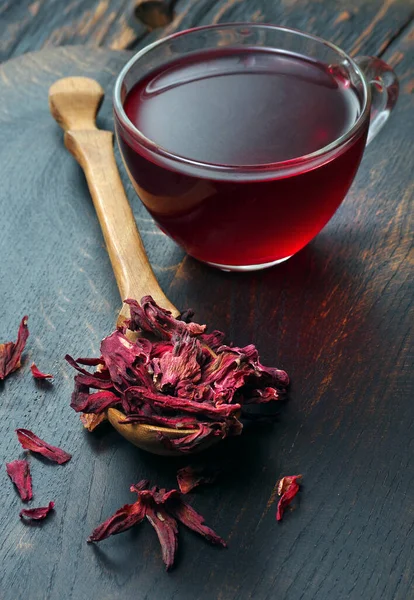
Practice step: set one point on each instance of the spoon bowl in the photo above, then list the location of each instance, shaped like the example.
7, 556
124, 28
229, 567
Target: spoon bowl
146, 436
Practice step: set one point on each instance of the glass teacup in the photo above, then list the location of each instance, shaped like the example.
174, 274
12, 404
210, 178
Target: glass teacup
242, 140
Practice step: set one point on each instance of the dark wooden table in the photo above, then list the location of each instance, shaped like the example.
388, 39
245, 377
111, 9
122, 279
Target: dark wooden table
338, 317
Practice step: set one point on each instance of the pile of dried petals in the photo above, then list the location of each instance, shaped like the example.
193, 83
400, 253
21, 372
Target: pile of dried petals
162, 509
181, 378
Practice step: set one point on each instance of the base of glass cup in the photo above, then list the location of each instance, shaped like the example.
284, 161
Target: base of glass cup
245, 268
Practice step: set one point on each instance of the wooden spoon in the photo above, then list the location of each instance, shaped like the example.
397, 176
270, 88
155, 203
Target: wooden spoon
74, 103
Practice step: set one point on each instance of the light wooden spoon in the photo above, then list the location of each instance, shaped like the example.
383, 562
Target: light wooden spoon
74, 103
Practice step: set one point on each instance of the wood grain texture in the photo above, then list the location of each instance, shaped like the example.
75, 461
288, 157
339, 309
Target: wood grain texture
33, 24
359, 26
338, 317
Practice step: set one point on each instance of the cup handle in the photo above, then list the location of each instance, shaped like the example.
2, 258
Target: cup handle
384, 91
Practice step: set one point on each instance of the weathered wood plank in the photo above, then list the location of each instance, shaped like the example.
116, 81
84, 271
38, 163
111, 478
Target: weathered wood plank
33, 24
338, 317
359, 27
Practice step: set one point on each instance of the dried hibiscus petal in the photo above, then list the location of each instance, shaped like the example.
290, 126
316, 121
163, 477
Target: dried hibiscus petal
186, 514
95, 403
38, 374
152, 318
11, 352
140, 395
124, 518
190, 477
167, 531
167, 421
186, 315
99, 380
287, 488
30, 441
162, 509
19, 473
141, 485
91, 421
37, 514
187, 443
92, 362
178, 508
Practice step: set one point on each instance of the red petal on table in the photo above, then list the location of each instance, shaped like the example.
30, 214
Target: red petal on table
190, 477
30, 441
287, 488
161, 508
38, 374
19, 473
124, 518
11, 352
91, 421
37, 514
167, 532
186, 514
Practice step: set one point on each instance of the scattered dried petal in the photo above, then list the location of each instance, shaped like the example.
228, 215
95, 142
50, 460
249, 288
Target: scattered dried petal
11, 352
30, 441
287, 488
190, 477
186, 514
37, 514
124, 518
38, 374
167, 531
19, 473
91, 421
161, 508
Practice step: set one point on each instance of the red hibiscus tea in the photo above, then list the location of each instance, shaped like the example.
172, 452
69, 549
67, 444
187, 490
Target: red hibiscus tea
230, 114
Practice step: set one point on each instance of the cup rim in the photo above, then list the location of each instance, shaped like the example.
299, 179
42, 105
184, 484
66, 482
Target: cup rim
255, 169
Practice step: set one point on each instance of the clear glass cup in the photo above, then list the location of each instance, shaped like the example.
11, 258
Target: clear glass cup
207, 208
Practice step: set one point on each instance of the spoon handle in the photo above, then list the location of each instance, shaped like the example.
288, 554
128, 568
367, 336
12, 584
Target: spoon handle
93, 149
